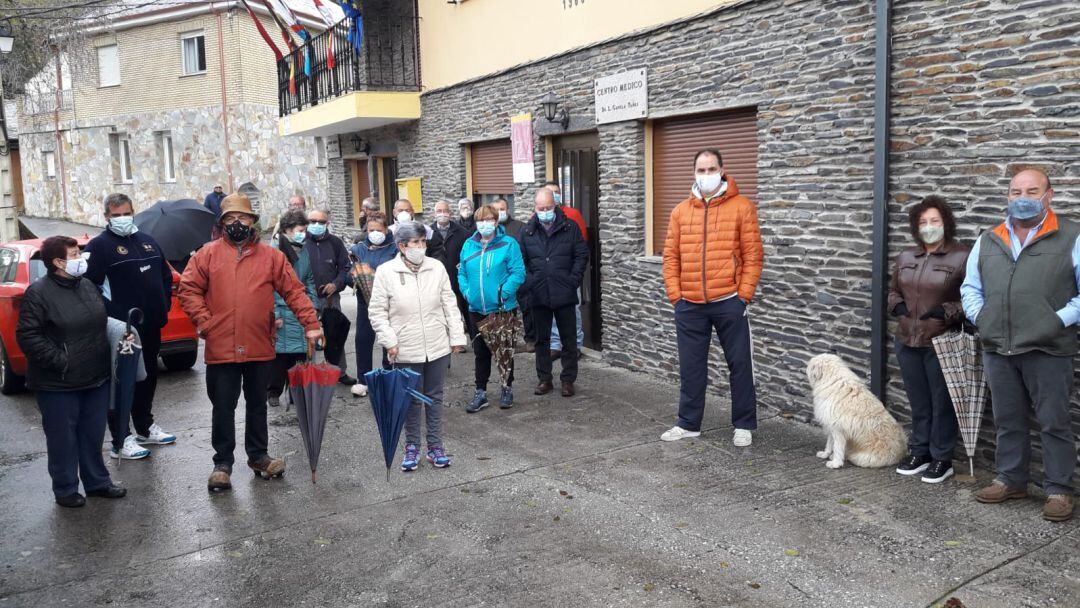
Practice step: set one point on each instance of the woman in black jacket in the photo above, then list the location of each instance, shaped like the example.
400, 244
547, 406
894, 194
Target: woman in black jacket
62, 331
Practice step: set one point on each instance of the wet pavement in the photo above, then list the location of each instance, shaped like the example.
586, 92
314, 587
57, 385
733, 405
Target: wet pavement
556, 502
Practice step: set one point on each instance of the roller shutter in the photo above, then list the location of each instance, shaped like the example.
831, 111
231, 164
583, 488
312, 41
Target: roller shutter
677, 140
493, 167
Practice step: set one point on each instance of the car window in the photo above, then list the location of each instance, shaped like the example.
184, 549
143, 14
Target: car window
37, 267
9, 263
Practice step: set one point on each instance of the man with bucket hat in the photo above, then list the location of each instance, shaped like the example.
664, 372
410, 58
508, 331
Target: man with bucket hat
228, 292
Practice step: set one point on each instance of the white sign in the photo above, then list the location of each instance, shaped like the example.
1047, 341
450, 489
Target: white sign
623, 96
333, 147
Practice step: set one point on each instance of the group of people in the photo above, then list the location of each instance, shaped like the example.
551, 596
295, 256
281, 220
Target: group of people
423, 290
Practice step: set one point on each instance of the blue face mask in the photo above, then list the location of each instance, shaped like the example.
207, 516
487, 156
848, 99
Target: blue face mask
546, 217
298, 236
317, 229
1025, 208
123, 225
485, 228
558, 198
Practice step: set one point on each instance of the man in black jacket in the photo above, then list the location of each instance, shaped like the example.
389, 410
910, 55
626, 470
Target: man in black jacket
131, 271
447, 239
330, 266
213, 200
555, 257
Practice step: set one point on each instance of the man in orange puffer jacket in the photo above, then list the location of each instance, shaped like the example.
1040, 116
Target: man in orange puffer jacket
712, 263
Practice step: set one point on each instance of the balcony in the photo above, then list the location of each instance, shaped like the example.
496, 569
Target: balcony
363, 90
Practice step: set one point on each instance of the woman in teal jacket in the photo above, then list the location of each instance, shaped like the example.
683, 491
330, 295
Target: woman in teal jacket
489, 274
290, 343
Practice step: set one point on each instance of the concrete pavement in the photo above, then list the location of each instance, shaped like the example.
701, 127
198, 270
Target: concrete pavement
557, 502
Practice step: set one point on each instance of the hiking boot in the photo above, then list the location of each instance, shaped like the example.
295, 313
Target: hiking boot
268, 467
999, 492
567, 389
219, 479
109, 491
938, 471
273, 401
1058, 507
156, 435
742, 438
347, 380
71, 501
507, 400
543, 388
131, 450
913, 465
676, 433
412, 457
438, 458
479, 402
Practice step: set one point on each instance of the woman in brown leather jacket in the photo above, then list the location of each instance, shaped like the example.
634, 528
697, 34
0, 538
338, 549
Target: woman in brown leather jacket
924, 294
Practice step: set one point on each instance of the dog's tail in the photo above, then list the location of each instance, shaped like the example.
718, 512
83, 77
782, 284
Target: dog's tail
885, 449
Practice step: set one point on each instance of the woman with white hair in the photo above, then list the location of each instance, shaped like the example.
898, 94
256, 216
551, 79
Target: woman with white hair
415, 316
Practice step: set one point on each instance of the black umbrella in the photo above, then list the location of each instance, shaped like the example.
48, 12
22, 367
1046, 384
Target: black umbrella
179, 227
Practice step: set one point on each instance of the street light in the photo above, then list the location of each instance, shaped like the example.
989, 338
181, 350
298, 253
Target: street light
552, 111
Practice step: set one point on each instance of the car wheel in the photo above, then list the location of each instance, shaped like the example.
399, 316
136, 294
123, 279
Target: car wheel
10, 382
179, 362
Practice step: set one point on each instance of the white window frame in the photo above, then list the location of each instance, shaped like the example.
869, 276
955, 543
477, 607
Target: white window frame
49, 158
102, 72
167, 151
122, 159
320, 151
183, 56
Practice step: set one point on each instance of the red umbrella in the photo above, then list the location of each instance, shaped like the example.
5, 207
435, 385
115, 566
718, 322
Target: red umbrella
311, 386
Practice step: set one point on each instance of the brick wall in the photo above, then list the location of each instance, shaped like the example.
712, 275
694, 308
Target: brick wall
980, 87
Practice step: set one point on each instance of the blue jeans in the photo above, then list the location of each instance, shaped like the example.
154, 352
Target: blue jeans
74, 425
556, 342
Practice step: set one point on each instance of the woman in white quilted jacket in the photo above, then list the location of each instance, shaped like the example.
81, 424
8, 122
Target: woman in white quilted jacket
414, 313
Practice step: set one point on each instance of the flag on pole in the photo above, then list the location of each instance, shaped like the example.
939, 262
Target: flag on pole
351, 9
262, 31
328, 20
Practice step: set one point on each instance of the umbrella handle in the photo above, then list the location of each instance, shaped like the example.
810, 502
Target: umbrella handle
133, 314
311, 348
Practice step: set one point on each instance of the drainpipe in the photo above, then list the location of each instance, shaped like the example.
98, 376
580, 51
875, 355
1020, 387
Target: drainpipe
880, 229
56, 129
224, 101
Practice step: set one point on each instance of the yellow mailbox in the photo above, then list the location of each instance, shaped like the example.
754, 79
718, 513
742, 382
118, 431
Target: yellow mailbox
409, 187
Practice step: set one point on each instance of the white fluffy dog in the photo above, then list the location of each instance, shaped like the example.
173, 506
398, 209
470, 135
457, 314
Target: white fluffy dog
856, 424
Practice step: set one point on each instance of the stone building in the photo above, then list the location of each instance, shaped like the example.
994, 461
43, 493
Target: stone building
171, 100
785, 89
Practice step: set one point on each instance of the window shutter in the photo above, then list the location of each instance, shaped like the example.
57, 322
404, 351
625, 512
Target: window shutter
493, 167
677, 140
108, 65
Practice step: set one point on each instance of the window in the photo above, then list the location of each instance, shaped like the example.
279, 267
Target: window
50, 165
320, 151
166, 155
193, 47
9, 264
120, 147
492, 172
108, 58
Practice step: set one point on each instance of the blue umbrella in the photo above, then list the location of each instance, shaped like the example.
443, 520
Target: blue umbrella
391, 392
127, 366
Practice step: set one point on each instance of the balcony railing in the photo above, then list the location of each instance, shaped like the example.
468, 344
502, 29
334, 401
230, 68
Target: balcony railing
387, 62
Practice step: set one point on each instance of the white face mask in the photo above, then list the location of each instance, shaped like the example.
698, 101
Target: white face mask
376, 238
465, 214
503, 216
403, 216
76, 267
931, 234
415, 255
442, 218
708, 183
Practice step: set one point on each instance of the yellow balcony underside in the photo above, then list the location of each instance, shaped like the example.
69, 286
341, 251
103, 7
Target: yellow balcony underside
353, 112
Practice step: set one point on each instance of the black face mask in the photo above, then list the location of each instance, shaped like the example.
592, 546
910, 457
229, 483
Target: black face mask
238, 232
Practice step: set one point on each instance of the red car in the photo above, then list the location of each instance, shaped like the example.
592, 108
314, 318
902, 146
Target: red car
20, 266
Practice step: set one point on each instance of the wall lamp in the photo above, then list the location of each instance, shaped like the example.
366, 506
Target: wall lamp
552, 111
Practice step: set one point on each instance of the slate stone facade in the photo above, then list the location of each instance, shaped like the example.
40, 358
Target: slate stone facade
979, 89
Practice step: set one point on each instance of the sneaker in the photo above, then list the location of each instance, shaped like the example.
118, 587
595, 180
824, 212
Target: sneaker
412, 456
938, 471
131, 450
676, 433
1058, 507
742, 438
359, 390
997, 492
156, 436
913, 465
438, 458
273, 401
507, 400
479, 402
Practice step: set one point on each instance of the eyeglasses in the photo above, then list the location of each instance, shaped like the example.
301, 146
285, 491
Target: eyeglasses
323, 222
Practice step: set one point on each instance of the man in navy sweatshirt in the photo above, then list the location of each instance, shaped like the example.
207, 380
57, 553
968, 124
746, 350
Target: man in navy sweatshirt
132, 272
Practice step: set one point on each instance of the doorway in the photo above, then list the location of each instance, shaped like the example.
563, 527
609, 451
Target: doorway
361, 186
578, 174
389, 188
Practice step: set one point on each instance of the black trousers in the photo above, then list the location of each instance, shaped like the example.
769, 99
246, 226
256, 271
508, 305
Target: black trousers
566, 321
224, 382
934, 428
525, 306
143, 404
482, 355
279, 372
74, 425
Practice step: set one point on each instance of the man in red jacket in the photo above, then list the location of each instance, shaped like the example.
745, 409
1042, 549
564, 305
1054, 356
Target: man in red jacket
228, 292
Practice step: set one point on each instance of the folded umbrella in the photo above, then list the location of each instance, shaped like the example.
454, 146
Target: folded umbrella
336, 327
179, 227
311, 386
391, 392
128, 353
501, 332
961, 364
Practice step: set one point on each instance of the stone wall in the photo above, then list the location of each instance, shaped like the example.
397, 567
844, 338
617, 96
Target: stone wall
278, 167
979, 88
